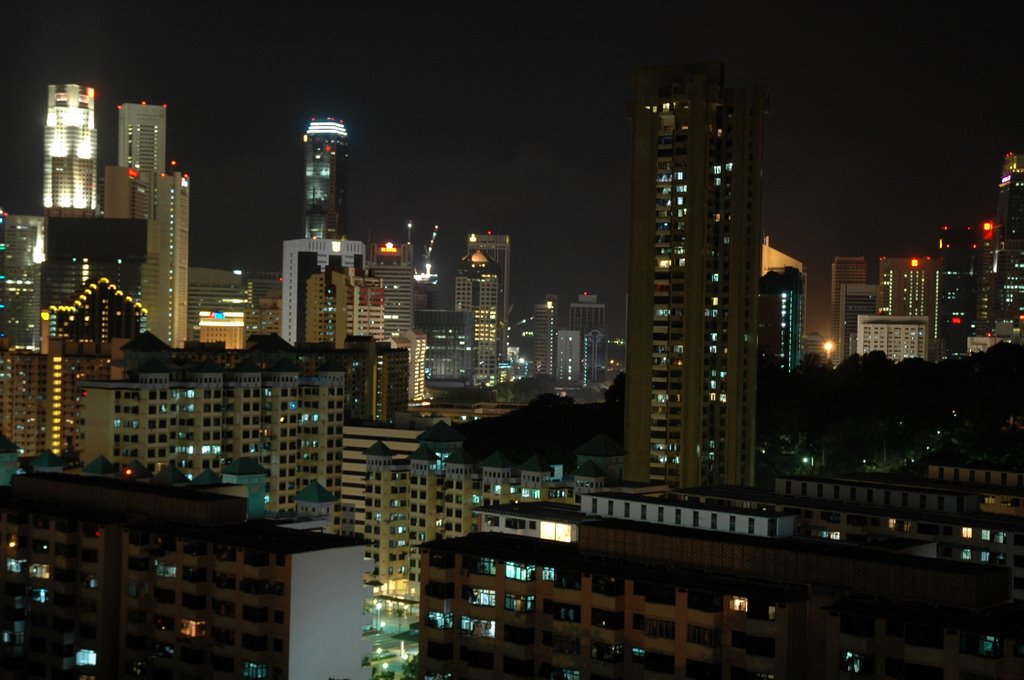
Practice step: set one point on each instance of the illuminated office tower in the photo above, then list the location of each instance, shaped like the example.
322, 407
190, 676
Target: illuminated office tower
69, 156
392, 264
497, 247
909, 286
326, 203
343, 301
1001, 255
586, 315
477, 290
695, 223
142, 137
21, 257
845, 270
567, 357
211, 291
545, 334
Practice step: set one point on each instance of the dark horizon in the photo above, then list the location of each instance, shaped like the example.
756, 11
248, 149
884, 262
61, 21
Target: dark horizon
885, 122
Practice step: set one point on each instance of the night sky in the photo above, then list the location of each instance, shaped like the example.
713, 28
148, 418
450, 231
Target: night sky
886, 122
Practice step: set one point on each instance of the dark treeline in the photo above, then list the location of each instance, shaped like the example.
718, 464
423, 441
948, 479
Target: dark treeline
870, 413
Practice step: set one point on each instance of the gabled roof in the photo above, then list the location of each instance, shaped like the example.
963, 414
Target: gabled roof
496, 460
247, 366
7, 446
315, 493
589, 469
136, 470
379, 449
145, 342
284, 366
243, 466
440, 433
170, 475
458, 458
423, 453
155, 366
331, 366
47, 459
99, 466
267, 343
207, 367
534, 464
600, 446
206, 478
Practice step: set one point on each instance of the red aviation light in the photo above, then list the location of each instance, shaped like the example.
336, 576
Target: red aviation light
133, 173
955, 321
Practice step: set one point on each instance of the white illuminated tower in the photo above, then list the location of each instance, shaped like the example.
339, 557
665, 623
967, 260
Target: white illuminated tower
69, 153
325, 212
142, 137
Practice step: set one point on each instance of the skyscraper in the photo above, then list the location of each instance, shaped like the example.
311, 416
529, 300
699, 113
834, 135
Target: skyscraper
302, 258
844, 270
142, 137
958, 303
326, 203
545, 334
781, 305
568, 357
477, 291
165, 276
587, 316
392, 264
21, 257
695, 222
909, 286
1001, 254
70, 178
497, 247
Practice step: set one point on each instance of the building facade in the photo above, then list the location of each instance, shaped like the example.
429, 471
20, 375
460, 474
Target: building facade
70, 179
142, 137
845, 270
587, 316
497, 247
545, 334
392, 263
325, 213
898, 337
22, 252
911, 286
695, 223
302, 258
478, 291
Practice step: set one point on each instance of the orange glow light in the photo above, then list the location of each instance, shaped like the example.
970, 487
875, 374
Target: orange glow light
914, 262
987, 226
388, 247
132, 172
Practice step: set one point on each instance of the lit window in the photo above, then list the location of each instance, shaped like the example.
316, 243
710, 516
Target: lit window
85, 657
39, 571
192, 628
165, 569
966, 532
738, 604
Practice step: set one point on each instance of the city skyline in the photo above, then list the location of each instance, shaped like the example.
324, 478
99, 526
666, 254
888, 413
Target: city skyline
859, 159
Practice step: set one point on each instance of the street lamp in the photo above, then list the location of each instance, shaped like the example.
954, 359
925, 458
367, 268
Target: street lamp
829, 346
377, 605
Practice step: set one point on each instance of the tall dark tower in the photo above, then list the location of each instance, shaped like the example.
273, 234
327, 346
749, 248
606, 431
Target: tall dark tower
326, 203
695, 224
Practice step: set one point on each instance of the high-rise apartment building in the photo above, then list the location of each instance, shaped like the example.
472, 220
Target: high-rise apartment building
909, 286
325, 213
70, 180
545, 333
497, 247
22, 252
587, 316
898, 337
844, 270
478, 290
341, 302
695, 223
392, 263
142, 137
303, 258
